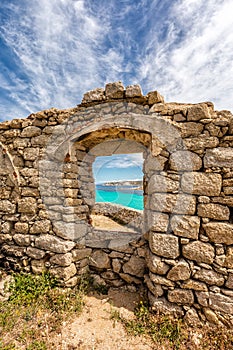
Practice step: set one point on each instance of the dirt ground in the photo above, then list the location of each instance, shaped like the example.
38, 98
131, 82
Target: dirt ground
102, 222
95, 330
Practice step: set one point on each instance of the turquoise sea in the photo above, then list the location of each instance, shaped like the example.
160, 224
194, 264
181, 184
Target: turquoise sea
126, 197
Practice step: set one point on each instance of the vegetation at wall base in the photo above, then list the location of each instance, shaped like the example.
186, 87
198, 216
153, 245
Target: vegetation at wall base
35, 310
174, 334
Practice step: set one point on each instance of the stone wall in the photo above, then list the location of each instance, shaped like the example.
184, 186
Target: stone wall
184, 251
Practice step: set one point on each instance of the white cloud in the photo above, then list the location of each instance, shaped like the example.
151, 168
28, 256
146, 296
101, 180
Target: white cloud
119, 161
195, 63
58, 46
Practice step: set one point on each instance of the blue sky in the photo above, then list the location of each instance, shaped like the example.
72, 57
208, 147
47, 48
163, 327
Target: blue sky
118, 167
52, 51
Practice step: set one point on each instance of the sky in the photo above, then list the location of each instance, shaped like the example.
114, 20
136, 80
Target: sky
53, 51
118, 167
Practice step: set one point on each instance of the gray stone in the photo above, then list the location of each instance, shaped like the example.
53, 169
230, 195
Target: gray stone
213, 211
199, 251
219, 232
173, 203
100, 259
204, 184
164, 245
135, 266
53, 244
181, 296
219, 157
185, 160
38, 266
185, 226
179, 272
210, 277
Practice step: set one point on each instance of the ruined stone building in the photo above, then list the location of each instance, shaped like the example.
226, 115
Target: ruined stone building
180, 248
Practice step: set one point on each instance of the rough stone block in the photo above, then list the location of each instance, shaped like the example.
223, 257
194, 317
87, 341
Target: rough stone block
156, 265
219, 157
133, 91
181, 296
154, 97
159, 280
42, 226
195, 285
79, 254
61, 259
185, 160
157, 221
213, 211
201, 142
35, 253
162, 306
27, 205
210, 277
6, 207
114, 90
179, 272
229, 282
185, 226
190, 129
64, 273
229, 258
160, 183
100, 260
198, 112
22, 239
204, 184
135, 266
53, 244
94, 95
173, 203
31, 131
199, 251
219, 232
164, 245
